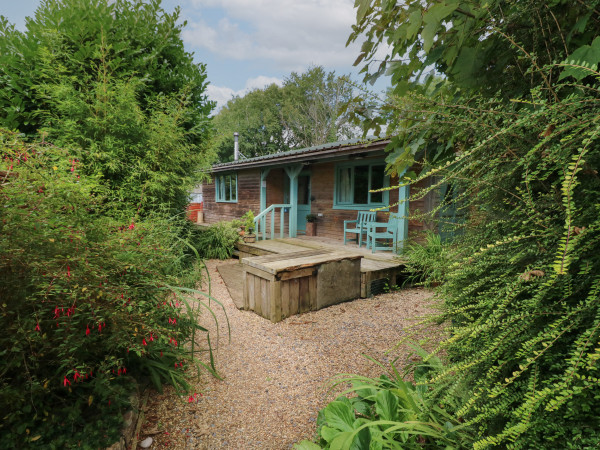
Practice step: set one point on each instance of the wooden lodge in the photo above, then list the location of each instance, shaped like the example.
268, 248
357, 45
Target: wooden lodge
286, 272
331, 181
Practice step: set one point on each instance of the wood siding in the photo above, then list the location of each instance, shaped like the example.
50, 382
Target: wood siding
331, 223
248, 198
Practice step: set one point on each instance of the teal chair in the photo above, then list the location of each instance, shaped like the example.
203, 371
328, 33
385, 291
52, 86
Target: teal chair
359, 226
383, 231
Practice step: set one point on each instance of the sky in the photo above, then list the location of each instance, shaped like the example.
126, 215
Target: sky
249, 44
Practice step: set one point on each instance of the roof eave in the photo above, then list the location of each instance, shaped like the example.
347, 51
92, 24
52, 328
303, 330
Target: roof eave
310, 155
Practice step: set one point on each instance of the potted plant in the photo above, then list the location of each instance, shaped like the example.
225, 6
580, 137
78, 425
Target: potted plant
311, 224
248, 224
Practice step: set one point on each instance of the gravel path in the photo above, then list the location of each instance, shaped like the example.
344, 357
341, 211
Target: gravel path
275, 375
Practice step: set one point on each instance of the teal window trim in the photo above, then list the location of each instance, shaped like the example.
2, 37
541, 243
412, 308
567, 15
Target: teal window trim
337, 204
226, 188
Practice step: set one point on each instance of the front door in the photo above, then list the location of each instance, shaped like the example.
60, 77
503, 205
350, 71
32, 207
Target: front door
303, 198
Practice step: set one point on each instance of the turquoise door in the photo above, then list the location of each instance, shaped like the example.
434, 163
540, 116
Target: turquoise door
303, 198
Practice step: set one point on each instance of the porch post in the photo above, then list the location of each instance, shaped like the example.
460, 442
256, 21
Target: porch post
293, 172
403, 195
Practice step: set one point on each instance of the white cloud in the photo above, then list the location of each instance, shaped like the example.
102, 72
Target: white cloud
222, 95
294, 34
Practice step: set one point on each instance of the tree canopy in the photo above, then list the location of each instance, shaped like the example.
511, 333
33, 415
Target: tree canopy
103, 129
305, 111
113, 80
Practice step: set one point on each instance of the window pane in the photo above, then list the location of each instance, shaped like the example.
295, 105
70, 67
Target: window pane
233, 187
227, 188
377, 177
344, 192
221, 188
361, 185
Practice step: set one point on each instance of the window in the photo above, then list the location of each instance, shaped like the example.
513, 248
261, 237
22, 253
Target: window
353, 183
226, 188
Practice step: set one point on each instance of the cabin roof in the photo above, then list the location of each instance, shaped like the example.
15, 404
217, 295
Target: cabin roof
317, 152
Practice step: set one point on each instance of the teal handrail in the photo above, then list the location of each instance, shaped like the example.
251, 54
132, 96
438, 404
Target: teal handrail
260, 221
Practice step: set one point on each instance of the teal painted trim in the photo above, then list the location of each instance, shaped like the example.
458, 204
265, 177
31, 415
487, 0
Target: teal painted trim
360, 206
403, 211
293, 172
218, 198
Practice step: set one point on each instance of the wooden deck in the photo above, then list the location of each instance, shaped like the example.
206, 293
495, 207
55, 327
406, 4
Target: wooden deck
377, 269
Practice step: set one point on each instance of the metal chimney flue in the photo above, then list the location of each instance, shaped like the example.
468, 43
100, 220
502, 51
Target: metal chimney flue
236, 146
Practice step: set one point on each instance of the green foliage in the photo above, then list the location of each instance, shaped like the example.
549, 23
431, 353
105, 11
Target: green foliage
111, 81
87, 303
389, 412
305, 111
522, 289
508, 128
482, 46
217, 241
489, 48
426, 262
248, 221
256, 117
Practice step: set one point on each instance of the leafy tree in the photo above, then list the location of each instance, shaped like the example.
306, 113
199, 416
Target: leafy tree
87, 304
490, 46
257, 118
111, 79
305, 111
88, 256
513, 127
312, 110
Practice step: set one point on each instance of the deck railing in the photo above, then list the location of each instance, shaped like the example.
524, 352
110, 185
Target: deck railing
260, 222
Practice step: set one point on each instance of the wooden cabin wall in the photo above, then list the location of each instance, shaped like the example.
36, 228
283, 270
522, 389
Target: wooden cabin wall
330, 224
248, 198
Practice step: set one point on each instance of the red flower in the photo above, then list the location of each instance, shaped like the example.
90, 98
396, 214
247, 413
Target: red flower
66, 381
132, 226
87, 330
68, 271
37, 327
144, 341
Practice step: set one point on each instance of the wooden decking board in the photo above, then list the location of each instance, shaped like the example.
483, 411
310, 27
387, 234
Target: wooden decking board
374, 266
289, 262
278, 256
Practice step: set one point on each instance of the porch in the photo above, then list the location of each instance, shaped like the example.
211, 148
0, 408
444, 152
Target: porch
377, 271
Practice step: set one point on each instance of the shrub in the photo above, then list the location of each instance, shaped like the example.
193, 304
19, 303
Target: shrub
218, 240
427, 261
389, 412
87, 303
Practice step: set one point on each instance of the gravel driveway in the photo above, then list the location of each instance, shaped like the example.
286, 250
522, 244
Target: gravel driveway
275, 375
